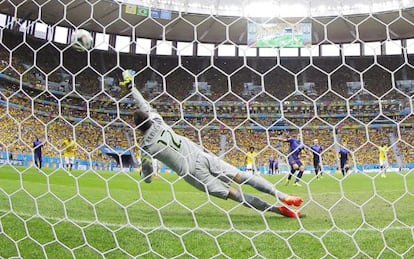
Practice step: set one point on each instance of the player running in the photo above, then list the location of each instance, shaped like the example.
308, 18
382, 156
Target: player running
203, 170
316, 151
343, 159
383, 159
295, 148
69, 148
37, 151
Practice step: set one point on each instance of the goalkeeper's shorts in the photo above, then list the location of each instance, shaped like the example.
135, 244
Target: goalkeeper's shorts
213, 175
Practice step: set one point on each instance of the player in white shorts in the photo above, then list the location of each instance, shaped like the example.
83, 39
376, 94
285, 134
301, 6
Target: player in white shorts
203, 170
69, 160
383, 149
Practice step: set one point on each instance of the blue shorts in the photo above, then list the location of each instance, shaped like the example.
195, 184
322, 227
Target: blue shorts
295, 160
273, 167
38, 156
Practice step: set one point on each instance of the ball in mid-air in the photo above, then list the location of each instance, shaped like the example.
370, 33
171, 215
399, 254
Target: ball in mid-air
82, 40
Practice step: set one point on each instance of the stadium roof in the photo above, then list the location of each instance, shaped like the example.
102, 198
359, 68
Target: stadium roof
280, 8
104, 15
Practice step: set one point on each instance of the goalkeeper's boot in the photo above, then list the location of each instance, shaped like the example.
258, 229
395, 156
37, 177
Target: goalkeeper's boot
285, 211
287, 182
292, 200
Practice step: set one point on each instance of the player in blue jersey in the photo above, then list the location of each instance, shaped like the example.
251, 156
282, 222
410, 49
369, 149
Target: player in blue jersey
316, 151
295, 148
273, 165
343, 158
37, 151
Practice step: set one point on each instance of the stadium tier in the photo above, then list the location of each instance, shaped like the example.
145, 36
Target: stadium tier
280, 109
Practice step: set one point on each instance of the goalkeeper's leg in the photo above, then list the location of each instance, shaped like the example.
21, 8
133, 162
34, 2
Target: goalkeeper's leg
227, 172
259, 204
261, 184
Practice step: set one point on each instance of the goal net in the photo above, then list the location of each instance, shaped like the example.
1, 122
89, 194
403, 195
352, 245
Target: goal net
340, 74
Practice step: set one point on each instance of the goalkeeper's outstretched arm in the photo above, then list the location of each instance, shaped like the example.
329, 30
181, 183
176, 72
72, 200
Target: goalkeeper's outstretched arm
143, 105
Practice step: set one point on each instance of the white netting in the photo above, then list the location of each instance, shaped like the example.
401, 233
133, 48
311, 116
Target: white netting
344, 90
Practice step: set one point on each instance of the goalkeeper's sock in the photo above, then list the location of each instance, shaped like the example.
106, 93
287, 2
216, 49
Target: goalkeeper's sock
251, 201
261, 184
285, 211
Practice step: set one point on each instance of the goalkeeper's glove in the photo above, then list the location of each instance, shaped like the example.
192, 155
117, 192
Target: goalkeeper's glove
127, 76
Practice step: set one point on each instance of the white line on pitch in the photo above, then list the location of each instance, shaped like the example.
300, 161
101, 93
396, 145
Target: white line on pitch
95, 222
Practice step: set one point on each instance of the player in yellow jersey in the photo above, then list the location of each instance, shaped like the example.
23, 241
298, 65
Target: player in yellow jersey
69, 149
383, 159
250, 160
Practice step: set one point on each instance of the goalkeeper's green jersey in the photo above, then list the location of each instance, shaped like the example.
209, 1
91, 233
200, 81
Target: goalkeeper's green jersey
161, 142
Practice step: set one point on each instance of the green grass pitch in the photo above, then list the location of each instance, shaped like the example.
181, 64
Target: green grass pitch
113, 215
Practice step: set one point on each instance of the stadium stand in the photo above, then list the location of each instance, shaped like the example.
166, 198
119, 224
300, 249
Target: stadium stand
94, 98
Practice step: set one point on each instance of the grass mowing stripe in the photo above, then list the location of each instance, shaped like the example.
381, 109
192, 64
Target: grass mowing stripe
359, 216
90, 222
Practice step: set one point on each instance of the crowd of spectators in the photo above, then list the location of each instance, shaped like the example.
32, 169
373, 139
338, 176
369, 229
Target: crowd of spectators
91, 134
94, 117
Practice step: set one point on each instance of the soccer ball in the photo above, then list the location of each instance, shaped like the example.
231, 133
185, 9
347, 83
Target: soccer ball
82, 40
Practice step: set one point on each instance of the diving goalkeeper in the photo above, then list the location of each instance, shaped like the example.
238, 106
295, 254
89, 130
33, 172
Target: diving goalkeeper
203, 170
